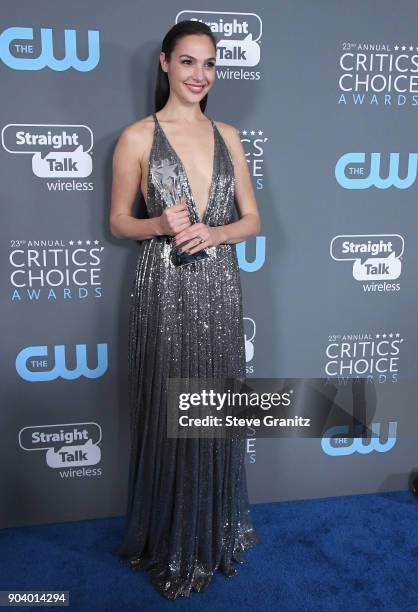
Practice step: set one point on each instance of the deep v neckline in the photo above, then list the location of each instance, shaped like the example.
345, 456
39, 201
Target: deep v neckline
210, 196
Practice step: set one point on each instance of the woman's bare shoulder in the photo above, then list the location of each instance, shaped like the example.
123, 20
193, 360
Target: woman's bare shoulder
138, 134
138, 129
230, 134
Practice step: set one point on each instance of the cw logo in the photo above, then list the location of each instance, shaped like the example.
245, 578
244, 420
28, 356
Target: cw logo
358, 445
33, 355
357, 178
17, 39
260, 255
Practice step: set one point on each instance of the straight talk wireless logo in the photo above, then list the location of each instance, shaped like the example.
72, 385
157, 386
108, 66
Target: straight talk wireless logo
238, 38
71, 448
250, 329
249, 335
375, 259
56, 151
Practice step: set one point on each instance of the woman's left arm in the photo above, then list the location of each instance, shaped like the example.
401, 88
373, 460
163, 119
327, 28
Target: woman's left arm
249, 222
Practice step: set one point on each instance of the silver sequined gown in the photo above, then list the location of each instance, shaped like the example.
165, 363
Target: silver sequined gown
188, 512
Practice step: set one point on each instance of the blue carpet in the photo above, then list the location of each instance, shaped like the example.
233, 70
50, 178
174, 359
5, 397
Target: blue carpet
346, 553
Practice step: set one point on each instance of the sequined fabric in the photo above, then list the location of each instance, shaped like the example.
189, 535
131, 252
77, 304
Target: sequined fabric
188, 512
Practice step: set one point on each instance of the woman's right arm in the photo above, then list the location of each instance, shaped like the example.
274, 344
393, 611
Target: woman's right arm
126, 181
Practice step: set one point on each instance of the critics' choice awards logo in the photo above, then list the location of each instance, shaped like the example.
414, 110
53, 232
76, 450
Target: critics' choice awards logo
43, 364
57, 151
68, 445
358, 171
252, 258
238, 37
249, 336
253, 142
55, 270
336, 443
376, 74
374, 257
371, 356
29, 49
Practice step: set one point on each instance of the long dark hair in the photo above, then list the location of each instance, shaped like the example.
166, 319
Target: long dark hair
180, 29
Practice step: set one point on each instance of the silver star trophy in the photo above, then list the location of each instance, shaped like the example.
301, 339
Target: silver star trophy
166, 178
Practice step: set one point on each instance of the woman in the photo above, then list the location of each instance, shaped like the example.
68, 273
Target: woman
188, 512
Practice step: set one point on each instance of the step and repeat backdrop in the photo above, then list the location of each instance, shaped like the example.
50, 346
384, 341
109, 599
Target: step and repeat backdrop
324, 96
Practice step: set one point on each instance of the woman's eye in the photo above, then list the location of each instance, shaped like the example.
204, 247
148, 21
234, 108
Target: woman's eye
186, 61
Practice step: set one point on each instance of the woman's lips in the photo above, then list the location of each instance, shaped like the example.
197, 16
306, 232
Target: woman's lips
195, 88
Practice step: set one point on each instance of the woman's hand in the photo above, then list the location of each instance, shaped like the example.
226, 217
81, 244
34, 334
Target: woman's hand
174, 219
211, 236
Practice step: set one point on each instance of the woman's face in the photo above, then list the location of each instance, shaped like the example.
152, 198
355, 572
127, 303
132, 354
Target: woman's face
191, 69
